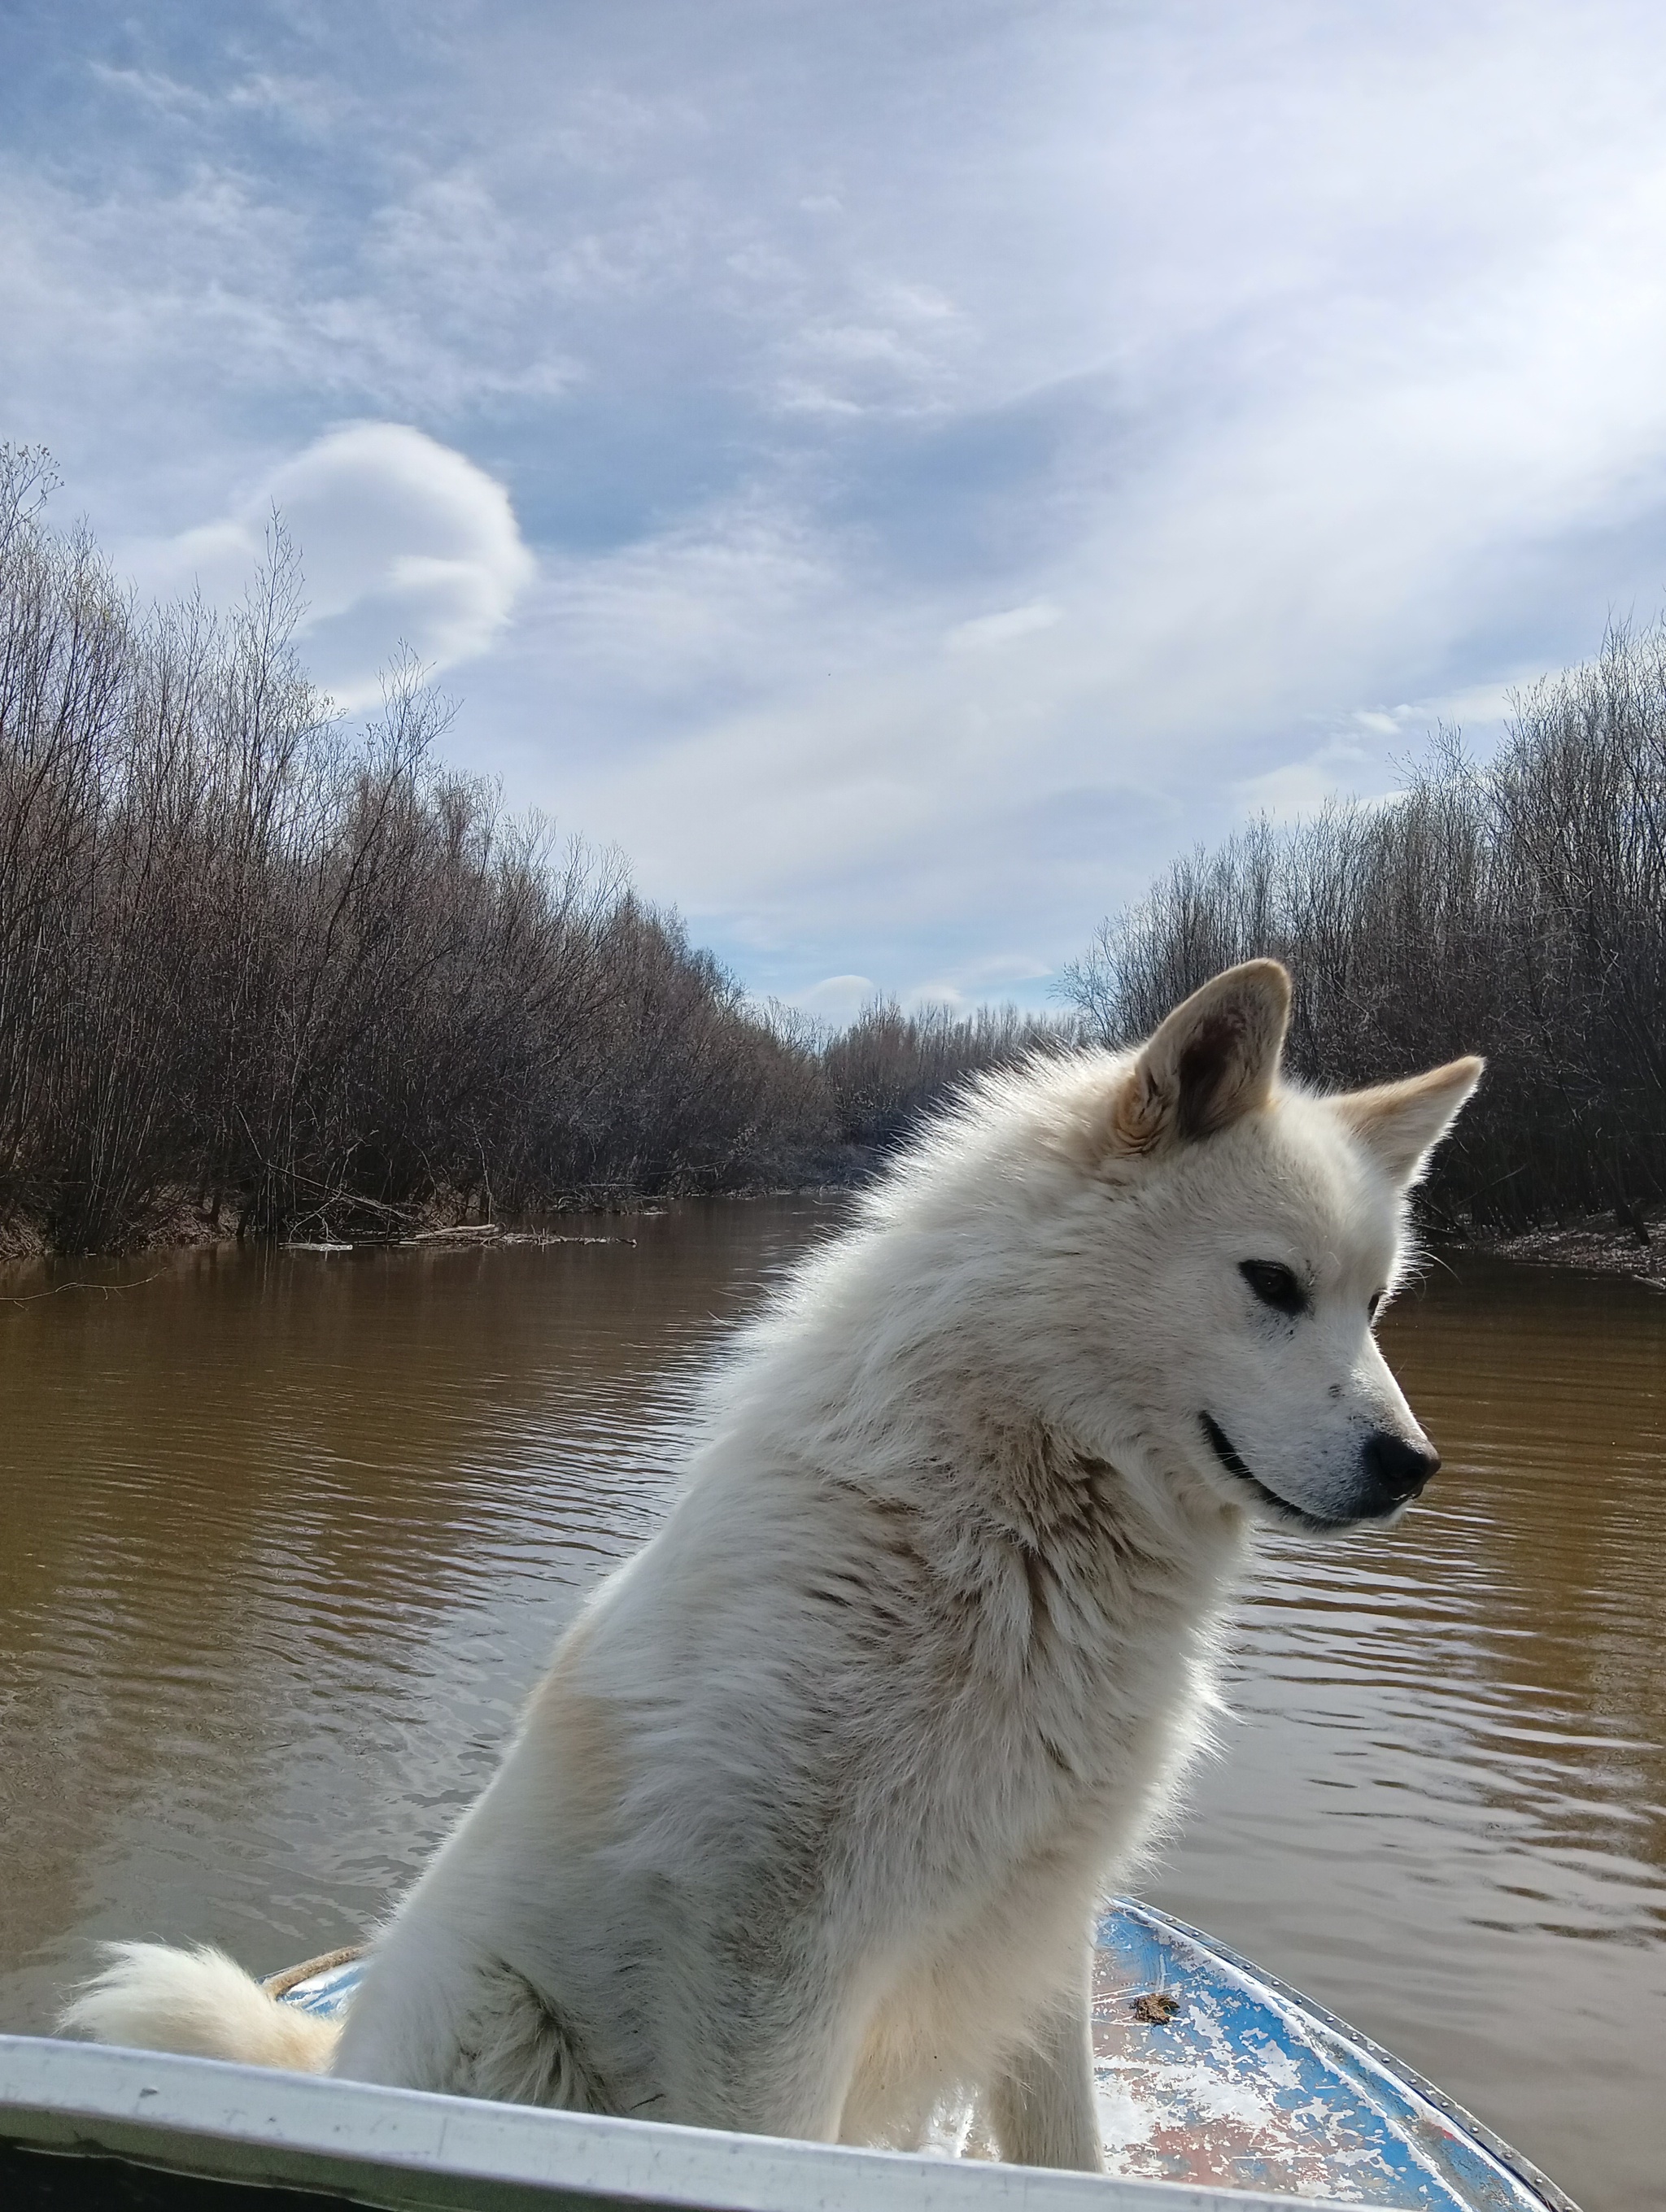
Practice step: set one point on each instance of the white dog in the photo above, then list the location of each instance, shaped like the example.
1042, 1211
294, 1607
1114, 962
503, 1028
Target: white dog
804, 1832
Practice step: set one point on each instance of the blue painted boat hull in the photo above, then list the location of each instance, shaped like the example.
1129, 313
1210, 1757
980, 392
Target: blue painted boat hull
1251, 2086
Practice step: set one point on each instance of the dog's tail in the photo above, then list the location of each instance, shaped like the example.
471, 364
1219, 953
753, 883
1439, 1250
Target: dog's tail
197, 2002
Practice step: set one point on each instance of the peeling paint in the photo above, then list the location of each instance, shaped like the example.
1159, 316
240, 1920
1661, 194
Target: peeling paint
1250, 2086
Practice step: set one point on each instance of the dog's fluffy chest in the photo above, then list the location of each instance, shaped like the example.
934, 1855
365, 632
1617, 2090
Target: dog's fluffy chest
955, 1690
1082, 1699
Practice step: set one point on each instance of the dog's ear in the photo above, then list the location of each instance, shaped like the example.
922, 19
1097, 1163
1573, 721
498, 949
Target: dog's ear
1213, 1060
1400, 1123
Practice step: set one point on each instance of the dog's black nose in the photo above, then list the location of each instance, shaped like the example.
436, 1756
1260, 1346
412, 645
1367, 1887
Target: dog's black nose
1396, 1469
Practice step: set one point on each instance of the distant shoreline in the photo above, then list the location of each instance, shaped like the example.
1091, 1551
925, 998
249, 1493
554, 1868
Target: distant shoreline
25, 1244
1596, 1244
1592, 1244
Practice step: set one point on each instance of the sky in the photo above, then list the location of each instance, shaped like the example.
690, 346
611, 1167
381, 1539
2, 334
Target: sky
899, 473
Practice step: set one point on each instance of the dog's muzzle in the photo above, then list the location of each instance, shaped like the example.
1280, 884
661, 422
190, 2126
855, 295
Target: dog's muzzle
1393, 1471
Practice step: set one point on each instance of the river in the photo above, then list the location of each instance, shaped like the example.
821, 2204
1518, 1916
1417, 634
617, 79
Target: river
285, 1537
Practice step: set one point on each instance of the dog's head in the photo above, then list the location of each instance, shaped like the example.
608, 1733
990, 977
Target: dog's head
1257, 1229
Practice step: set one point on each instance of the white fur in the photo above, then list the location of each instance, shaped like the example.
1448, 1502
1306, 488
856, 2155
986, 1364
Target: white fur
198, 2002
804, 1832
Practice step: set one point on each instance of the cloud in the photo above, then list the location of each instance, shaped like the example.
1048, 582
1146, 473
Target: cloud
401, 542
997, 977
837, 999
1342, 768
1367, 759
997, 630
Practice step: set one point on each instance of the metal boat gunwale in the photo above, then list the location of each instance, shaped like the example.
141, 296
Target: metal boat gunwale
1352, 2066
410, 2150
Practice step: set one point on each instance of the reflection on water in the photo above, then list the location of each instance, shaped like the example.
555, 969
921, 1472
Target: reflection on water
284, 1539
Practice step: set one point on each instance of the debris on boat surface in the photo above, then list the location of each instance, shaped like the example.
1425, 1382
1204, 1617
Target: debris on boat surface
1155, 2007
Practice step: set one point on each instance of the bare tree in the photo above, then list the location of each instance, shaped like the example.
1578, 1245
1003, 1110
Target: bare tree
890, 1069
1517, 908
249, 959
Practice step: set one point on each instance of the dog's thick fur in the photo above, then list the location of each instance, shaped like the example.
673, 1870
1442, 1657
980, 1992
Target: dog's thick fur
804, 1830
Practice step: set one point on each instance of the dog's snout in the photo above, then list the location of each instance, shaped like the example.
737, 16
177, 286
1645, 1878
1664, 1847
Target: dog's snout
1397, 1468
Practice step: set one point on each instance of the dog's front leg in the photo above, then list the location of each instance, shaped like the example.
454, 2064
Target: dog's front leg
1042, 2104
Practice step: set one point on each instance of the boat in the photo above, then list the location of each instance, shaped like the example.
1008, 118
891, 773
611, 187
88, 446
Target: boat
1219, 2087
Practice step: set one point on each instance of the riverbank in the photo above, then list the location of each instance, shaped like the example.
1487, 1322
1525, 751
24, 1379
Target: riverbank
1597, 1244
179, 1224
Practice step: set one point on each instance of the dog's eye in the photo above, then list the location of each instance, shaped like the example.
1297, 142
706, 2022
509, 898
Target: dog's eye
1275, 1285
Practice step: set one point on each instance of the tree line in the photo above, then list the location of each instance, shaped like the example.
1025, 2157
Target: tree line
261, 970
1515, 907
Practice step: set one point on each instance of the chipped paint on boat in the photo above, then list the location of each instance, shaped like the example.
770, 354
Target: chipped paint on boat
1248, 2085
1213, 2073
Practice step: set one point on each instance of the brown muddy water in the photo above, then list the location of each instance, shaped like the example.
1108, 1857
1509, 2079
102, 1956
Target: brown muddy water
284, 1539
